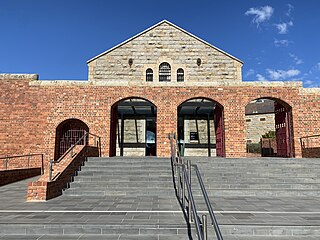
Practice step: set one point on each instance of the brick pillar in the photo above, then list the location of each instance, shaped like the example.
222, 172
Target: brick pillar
166, 123
235, 132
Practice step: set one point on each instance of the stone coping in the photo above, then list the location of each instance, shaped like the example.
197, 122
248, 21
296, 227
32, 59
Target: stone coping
16, 76
139, 83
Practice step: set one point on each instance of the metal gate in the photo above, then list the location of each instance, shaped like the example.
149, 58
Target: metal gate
69, 138
218, 124
282, 126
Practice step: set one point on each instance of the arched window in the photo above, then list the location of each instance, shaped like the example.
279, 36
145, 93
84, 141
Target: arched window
180, 75
164, 72
149, 75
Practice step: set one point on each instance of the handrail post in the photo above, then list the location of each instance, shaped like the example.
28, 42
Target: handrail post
29, 160
99, 146
189, 182
204, 227
6, 163
179, 183
42, 167
183, 188
71, 151
50, 169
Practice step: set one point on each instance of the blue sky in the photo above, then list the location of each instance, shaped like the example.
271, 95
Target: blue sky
277, 40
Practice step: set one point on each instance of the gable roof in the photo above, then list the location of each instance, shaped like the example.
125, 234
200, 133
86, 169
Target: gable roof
156, 25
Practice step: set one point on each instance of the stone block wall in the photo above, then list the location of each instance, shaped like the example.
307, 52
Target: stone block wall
164, 43
257, 125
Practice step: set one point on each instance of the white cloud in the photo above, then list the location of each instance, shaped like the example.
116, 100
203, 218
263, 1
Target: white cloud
290, 9
296, 60
281, 42
282, 74
260, 77
250, 72
261, 14
283, 27
308, 82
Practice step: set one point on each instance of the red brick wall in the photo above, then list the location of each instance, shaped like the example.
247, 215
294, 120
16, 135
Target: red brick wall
10, 176
30, 114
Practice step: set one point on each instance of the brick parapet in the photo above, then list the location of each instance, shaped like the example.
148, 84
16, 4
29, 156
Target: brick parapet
14, 175
31, 113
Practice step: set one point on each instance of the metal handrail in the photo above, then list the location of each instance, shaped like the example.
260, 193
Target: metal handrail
84, 137
207, 200
193, 205
70, 150
178, 162
308, 142
20, 156
309, 136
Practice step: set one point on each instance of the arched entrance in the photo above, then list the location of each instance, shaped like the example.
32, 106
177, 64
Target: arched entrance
133, 128
269, 128
200, 128
68, 133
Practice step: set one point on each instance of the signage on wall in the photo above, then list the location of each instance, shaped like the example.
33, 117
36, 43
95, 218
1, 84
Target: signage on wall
194, 136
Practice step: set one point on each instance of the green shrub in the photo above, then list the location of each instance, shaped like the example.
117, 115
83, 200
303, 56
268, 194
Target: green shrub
253, 148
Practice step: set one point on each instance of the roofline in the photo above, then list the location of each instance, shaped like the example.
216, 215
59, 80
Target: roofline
157, 24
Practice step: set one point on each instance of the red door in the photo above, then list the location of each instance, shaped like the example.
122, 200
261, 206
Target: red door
218, 125
282, 126
113, 131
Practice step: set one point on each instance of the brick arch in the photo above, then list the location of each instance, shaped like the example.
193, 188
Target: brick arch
67, 133
114, 123
285, 103
283, 127
200, 97
121, 99
218, 125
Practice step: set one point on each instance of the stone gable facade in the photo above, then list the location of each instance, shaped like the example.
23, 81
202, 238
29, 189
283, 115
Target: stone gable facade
164, 42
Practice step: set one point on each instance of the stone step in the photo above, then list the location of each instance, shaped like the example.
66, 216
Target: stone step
280, 180
122, 168
131, 184
135, 229
275, 231
132, 192
98, 237
121, 172
244, 185
114, 178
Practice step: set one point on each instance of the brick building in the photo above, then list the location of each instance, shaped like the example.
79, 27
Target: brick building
162, 80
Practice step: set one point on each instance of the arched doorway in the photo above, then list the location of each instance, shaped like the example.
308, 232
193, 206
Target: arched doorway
68, 133
133, 128
269, 128
201, 128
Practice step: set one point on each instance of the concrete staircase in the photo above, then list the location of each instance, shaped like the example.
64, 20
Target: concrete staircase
110, 198
262, 198
133, 198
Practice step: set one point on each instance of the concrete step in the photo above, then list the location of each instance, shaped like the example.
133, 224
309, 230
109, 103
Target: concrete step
246, 185
121, 172
114, 178
132, 193
124, 184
